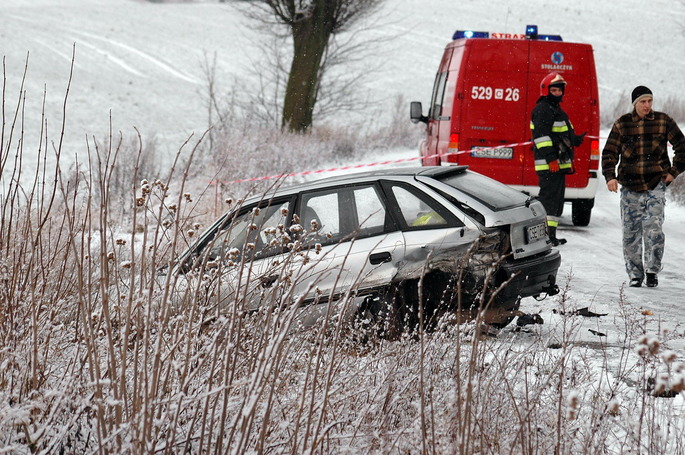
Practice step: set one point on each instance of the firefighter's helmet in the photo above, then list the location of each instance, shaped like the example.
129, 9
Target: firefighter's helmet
552, 79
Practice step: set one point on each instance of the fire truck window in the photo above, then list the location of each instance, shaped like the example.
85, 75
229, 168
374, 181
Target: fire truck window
438, 94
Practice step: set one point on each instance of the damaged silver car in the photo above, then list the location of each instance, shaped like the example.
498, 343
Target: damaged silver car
399, 246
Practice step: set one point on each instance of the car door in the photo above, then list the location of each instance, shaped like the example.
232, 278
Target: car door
348, 243
238, 257
432, 230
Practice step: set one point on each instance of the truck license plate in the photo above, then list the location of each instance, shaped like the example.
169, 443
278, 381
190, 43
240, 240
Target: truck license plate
504, 153
535, 233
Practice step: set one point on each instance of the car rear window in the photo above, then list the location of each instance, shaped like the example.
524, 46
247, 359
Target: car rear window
492, 193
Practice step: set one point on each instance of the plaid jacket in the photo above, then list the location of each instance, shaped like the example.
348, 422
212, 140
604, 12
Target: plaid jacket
639, 148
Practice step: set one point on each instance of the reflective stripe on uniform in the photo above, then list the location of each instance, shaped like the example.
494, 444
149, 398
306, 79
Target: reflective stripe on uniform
559, 127
544, 165
543, 141
430, 218
552, 221
541, 165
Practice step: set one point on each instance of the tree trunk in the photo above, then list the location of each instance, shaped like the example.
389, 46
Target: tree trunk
310, 39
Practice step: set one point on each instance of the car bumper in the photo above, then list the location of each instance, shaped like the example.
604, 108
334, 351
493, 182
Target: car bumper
530, 277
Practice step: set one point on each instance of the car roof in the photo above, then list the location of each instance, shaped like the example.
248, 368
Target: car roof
387, 173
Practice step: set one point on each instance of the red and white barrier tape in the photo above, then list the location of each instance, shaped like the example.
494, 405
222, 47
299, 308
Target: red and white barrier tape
375, 163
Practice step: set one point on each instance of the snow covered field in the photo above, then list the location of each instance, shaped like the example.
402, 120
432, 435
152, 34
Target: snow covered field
141, 63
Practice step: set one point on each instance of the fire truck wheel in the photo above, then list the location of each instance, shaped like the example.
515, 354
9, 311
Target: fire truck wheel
582, 210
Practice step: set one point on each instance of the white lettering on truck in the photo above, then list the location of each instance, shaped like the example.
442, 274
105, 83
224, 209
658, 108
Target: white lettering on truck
547, 66
488, 93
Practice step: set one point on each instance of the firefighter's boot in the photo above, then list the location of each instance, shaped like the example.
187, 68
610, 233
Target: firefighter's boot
553, 236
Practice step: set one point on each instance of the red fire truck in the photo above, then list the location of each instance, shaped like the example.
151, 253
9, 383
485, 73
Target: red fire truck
479, 115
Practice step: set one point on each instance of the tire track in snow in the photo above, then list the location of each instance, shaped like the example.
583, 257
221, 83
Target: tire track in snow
43, 41
79, 44
155, 61
59, 53
122, 62
110, 57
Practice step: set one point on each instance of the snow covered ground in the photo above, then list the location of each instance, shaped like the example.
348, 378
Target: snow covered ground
593, 261
141, 63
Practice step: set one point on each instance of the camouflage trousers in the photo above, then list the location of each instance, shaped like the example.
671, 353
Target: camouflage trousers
643, 237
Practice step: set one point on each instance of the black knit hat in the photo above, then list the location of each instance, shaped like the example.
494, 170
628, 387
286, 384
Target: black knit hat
639, 93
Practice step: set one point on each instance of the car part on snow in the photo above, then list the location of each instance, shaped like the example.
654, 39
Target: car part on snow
528, 319
585, 311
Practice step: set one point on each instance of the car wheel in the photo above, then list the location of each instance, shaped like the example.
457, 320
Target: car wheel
378, 317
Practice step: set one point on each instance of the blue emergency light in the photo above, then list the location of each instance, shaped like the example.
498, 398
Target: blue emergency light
531, 33
550, 37
470, 34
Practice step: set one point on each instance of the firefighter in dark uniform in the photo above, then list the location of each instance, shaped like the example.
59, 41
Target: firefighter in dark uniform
553, 144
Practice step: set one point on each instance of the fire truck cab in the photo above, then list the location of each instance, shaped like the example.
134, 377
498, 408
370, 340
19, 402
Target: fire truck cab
485, 89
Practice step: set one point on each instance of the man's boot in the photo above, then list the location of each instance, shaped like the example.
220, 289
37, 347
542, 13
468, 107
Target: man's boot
553, 236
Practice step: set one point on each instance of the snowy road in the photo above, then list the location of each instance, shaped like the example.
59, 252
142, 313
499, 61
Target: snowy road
592, 260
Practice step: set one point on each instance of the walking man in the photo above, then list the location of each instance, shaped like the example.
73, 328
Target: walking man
638, 145
554, 141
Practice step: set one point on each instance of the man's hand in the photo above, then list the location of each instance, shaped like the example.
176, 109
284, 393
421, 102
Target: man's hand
667, 178
554, 166
612, 185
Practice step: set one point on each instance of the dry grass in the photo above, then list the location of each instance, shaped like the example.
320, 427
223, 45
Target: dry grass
99, 353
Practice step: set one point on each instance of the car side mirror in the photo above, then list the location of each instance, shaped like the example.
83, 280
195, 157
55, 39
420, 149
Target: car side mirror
416, 112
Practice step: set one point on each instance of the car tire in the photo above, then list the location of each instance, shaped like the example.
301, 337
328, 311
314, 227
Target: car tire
378, 317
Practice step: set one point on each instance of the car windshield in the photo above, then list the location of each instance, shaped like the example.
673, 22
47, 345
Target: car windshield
493, 194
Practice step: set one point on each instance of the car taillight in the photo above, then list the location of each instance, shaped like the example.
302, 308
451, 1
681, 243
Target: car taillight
453, 148
594, 154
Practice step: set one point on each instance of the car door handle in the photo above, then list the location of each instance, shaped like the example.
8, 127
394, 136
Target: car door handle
379, 258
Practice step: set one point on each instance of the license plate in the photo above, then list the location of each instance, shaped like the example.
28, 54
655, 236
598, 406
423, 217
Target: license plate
535, 233
503, 153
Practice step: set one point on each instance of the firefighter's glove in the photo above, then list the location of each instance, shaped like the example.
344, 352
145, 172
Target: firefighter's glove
579, 139
554, 166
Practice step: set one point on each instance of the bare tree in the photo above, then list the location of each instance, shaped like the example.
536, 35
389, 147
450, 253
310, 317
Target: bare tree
312, 24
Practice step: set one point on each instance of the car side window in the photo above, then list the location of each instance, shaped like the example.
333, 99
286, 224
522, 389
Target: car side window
419, 211
259, 232
319, 215
370, 211
333, 215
